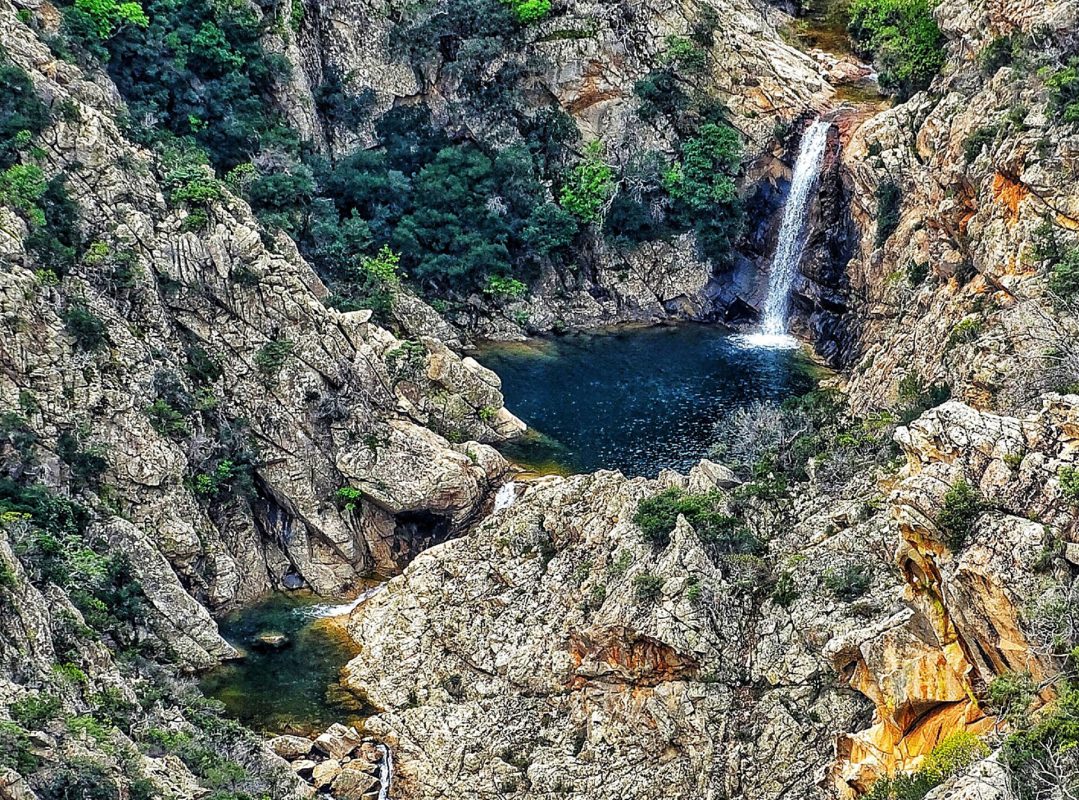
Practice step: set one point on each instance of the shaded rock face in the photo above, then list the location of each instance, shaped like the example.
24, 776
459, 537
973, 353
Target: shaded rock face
343, 407
967, 217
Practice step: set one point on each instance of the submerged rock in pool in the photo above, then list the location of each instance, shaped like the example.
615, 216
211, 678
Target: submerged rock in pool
272, 640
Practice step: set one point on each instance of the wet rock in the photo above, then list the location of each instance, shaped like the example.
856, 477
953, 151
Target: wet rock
271, 640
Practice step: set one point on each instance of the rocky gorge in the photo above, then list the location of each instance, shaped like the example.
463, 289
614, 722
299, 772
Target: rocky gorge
218, 382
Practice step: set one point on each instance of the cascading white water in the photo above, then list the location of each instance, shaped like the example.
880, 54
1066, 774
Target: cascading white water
792, 232
505, 496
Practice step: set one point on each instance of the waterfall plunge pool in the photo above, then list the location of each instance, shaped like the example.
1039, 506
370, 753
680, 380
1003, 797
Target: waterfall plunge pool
636, 399
295, 688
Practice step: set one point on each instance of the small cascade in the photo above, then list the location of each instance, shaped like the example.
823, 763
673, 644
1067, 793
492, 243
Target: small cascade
505, 496
326, 610
385, 772
792, 232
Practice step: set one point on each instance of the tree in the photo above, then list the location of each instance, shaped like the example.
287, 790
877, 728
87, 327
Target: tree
589, 185
108, 16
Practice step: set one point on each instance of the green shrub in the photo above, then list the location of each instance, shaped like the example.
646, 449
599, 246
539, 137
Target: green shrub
529, 11
35, 711
953, 754
1064, 274
22, 114
977, 142
271, 357
686, 54
88, 331
505, 288
998, 53
1063, 86
848, 582
785, 591
107, 16
1069, 484
963, 504
889, 204
167, 421
1042, 758
648, 587
903, 39
589, 185
16, 750
704, 176
75, 779
917, 272
916, 397
21, 187
1010, 696
965, 332
657, 517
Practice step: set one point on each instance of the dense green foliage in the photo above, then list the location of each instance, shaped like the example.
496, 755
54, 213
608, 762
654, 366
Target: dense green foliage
22, 114
1063, 85
52, 540
951, 756
657, 516
903, 39
963, 504
1043, 758
889, 202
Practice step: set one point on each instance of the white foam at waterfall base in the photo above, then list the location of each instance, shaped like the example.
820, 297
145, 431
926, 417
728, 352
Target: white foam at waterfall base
505, 496
324, 610
792, 232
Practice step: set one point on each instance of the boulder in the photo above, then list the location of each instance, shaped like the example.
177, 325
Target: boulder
290, 747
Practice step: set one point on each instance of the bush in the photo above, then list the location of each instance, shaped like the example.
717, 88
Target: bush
167, 421
657, 517
35, 711
76, 779
1069, 484
953, 754
903, 39
589, 185
1010, 696
916, 397
1042, 760
977, 142
16, 749
22, 114
271, 358
1063, 86
963, 504
529, 11
889, 203
88, 331
849, 582
648, 587
107, 16
965, 332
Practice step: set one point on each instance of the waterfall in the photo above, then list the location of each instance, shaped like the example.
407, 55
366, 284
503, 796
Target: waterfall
326, 610
792, 233
385, 772
505, 496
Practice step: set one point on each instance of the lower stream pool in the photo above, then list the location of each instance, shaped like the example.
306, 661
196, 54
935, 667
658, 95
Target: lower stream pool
290, 686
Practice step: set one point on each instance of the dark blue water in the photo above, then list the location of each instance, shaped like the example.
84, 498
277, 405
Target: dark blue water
636, 400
